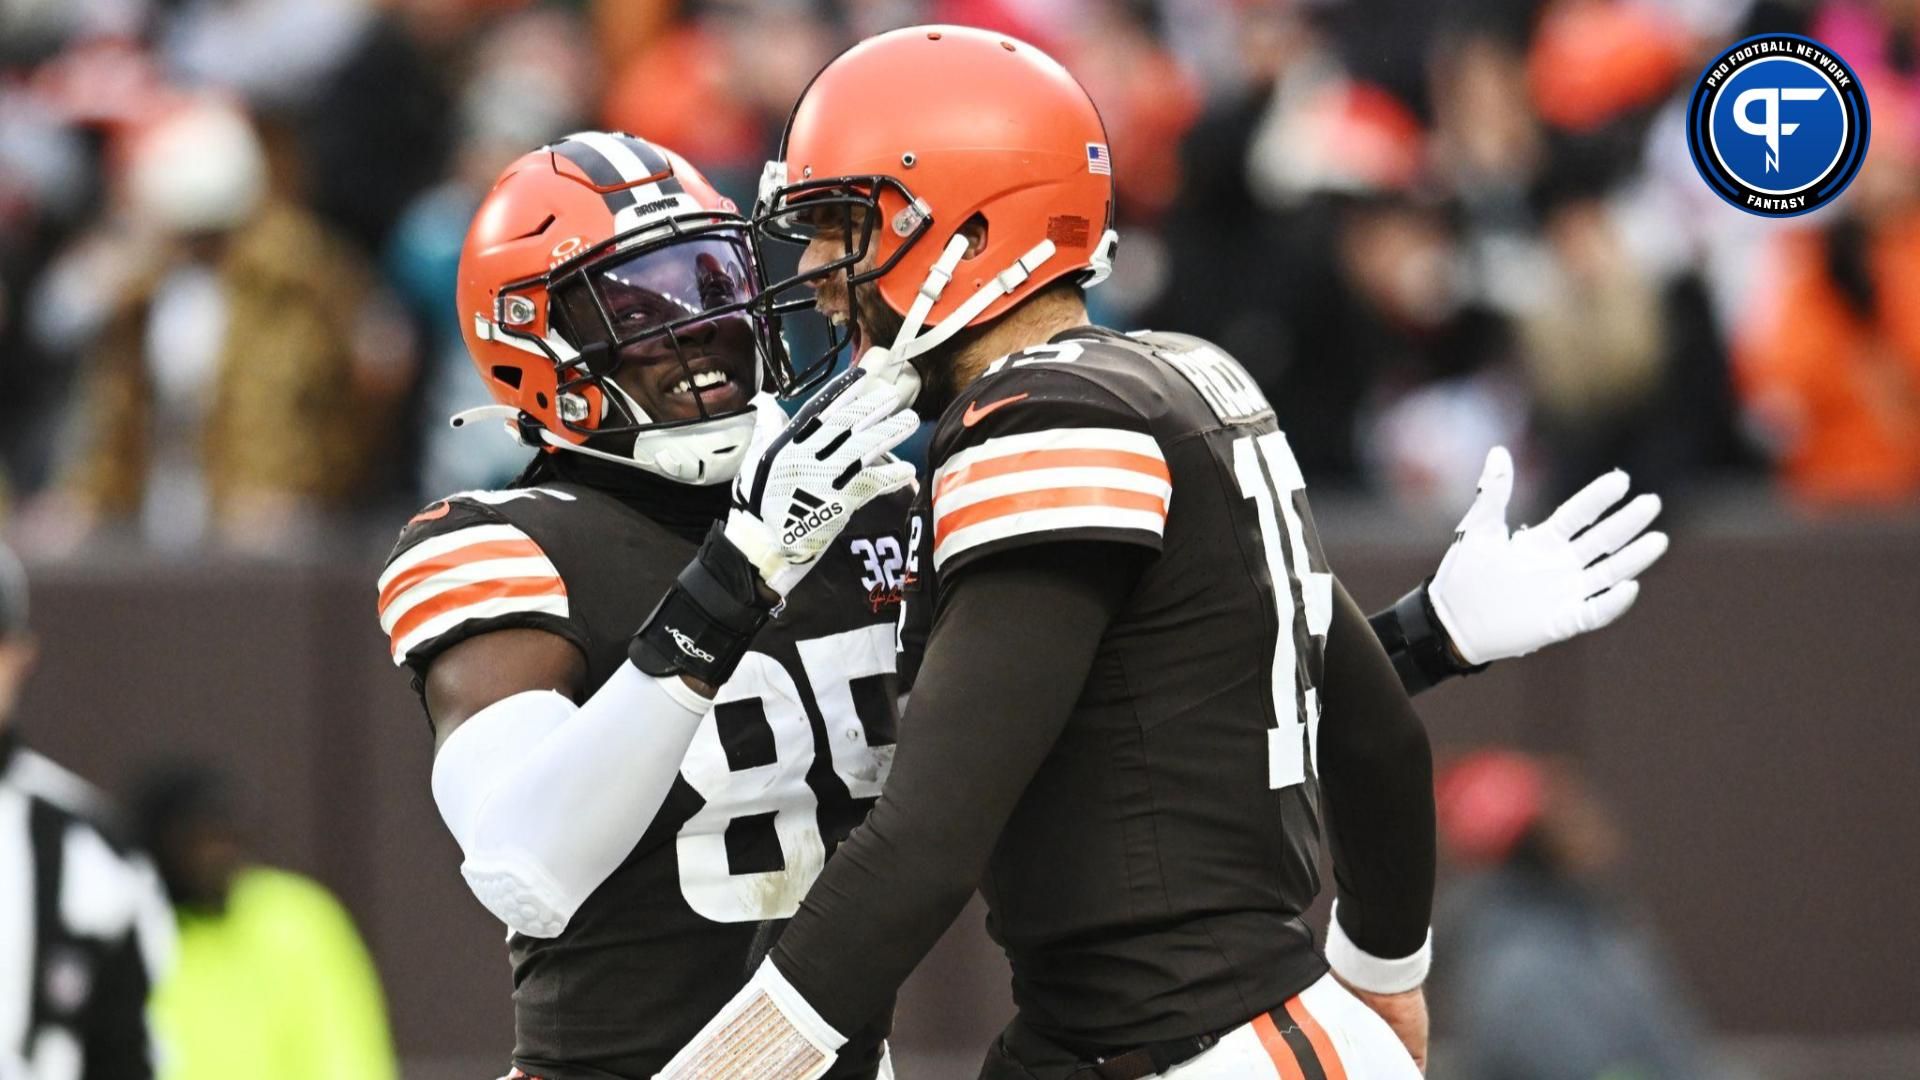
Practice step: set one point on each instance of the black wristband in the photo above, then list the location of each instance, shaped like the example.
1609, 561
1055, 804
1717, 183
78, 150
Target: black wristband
707, 621
1417, 642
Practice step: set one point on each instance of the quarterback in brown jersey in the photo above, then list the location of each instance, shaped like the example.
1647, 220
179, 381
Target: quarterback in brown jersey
1141, 696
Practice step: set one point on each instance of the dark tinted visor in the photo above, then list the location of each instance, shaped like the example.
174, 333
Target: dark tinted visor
621, 300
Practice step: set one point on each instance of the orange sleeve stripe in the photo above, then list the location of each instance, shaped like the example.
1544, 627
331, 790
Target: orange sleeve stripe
1317, 1035
1047, 499
1053, 459
477, 593
1276, 1047
490, 549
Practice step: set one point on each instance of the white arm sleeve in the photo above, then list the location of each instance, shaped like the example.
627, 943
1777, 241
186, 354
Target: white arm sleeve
547, 798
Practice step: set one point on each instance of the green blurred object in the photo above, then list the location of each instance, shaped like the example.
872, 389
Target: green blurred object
278, 984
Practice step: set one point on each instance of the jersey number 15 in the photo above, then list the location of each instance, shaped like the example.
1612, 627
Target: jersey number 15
1302, 601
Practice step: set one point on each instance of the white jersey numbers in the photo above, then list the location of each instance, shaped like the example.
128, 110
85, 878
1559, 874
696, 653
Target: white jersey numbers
1065, 352
758, 770
1267, 474
755, 848
844, 668
882, 560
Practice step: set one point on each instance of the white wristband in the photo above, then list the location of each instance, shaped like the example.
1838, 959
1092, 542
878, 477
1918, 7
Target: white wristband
678, 692
1364, 971
798, 1010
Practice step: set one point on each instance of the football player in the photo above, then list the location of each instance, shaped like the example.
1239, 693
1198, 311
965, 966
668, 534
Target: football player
635, 793
637, 844
1140, 684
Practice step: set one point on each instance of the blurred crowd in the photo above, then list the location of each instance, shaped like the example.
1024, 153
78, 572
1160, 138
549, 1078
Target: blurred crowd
229, 232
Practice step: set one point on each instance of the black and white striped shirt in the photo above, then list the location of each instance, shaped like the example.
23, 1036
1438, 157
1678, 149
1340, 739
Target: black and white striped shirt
84, 930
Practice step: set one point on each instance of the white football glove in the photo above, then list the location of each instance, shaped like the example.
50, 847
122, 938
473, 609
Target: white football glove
803, 479
767, 1032
1501, 595
900, 375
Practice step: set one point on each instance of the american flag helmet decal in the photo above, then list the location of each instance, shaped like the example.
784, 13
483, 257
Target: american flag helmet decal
1098, 160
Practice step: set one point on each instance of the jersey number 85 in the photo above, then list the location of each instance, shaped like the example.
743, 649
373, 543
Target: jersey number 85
755, 848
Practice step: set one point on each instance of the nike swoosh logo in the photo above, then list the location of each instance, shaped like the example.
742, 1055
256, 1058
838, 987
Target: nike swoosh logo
432, 513
975, 413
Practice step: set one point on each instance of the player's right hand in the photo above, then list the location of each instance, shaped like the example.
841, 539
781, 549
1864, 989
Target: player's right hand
804, 479
1405, 1013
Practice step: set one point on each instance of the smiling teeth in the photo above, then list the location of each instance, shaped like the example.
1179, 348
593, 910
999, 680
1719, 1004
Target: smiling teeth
701, 380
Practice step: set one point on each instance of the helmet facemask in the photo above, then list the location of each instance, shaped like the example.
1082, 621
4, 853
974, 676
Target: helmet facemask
792, 214
787, 221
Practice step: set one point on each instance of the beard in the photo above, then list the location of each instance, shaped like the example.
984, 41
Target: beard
880, 325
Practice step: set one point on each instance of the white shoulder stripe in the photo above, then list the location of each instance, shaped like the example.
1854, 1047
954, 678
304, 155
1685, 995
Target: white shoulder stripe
436, 546
1144, 522
484, 609
1089, 438
471, 573
1045, 479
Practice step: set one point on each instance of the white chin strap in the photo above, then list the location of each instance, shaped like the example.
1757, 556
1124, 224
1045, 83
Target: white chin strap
910, 342
704, 454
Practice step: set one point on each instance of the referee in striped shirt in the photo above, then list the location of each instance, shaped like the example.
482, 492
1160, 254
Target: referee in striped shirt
84, 925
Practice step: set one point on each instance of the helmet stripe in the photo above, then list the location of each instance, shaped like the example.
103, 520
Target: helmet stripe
619, 153
653, 160
601, 169
645, 152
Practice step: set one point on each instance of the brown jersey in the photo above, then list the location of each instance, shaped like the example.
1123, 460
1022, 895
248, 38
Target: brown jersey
790, 758
1151, 881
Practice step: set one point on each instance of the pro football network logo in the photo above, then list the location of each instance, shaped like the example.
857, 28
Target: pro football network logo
1778, 125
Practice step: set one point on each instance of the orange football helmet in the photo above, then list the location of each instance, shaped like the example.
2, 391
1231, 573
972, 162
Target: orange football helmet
924, 129
583, 250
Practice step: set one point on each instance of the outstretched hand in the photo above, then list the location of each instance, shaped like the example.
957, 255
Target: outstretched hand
1503, 594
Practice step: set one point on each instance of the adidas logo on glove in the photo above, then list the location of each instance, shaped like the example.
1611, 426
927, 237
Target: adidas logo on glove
808, 513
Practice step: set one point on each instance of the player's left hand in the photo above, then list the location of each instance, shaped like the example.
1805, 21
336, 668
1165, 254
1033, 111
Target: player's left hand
1501, 594
1405, 1013
804, 479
